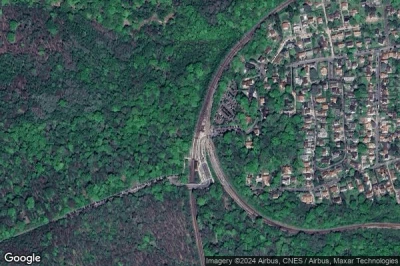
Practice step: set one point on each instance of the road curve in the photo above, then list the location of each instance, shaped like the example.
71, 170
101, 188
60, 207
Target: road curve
205, 117
205, 113
207, 103
283, 226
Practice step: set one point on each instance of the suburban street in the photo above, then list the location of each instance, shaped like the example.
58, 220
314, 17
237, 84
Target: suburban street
377, 101
202, 136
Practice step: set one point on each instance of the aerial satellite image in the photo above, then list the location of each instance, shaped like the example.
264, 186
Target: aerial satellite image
199, 132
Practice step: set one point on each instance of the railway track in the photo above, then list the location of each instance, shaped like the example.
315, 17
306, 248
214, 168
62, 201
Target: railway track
205, 116
207, 103
204, 120
283, 226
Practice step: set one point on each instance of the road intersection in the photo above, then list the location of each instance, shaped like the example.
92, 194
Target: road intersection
203, 146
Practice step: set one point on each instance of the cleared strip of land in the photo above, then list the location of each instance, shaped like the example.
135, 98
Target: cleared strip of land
95, 204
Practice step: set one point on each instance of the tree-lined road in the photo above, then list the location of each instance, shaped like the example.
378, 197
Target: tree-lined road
283, 226
203, 127
203, 121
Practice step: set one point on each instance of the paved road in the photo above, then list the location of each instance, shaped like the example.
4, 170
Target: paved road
376, 103
387, 39
385, 163
318, 60
203, 125
283, 226
305, 189
207, 103
204, 117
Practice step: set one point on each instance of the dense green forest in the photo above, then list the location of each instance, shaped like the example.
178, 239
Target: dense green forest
153, 227
227, 230
146, 228
97, 96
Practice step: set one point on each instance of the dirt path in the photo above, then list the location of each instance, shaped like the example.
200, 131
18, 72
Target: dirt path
199, 243
94, 204
154, 18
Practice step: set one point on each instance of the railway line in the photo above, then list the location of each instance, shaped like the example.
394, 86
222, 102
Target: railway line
203, 126
207, 103
283, 226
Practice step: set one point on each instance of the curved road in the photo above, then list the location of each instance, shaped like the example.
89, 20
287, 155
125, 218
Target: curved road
204, 120
207, 103
205, 117
285, 227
